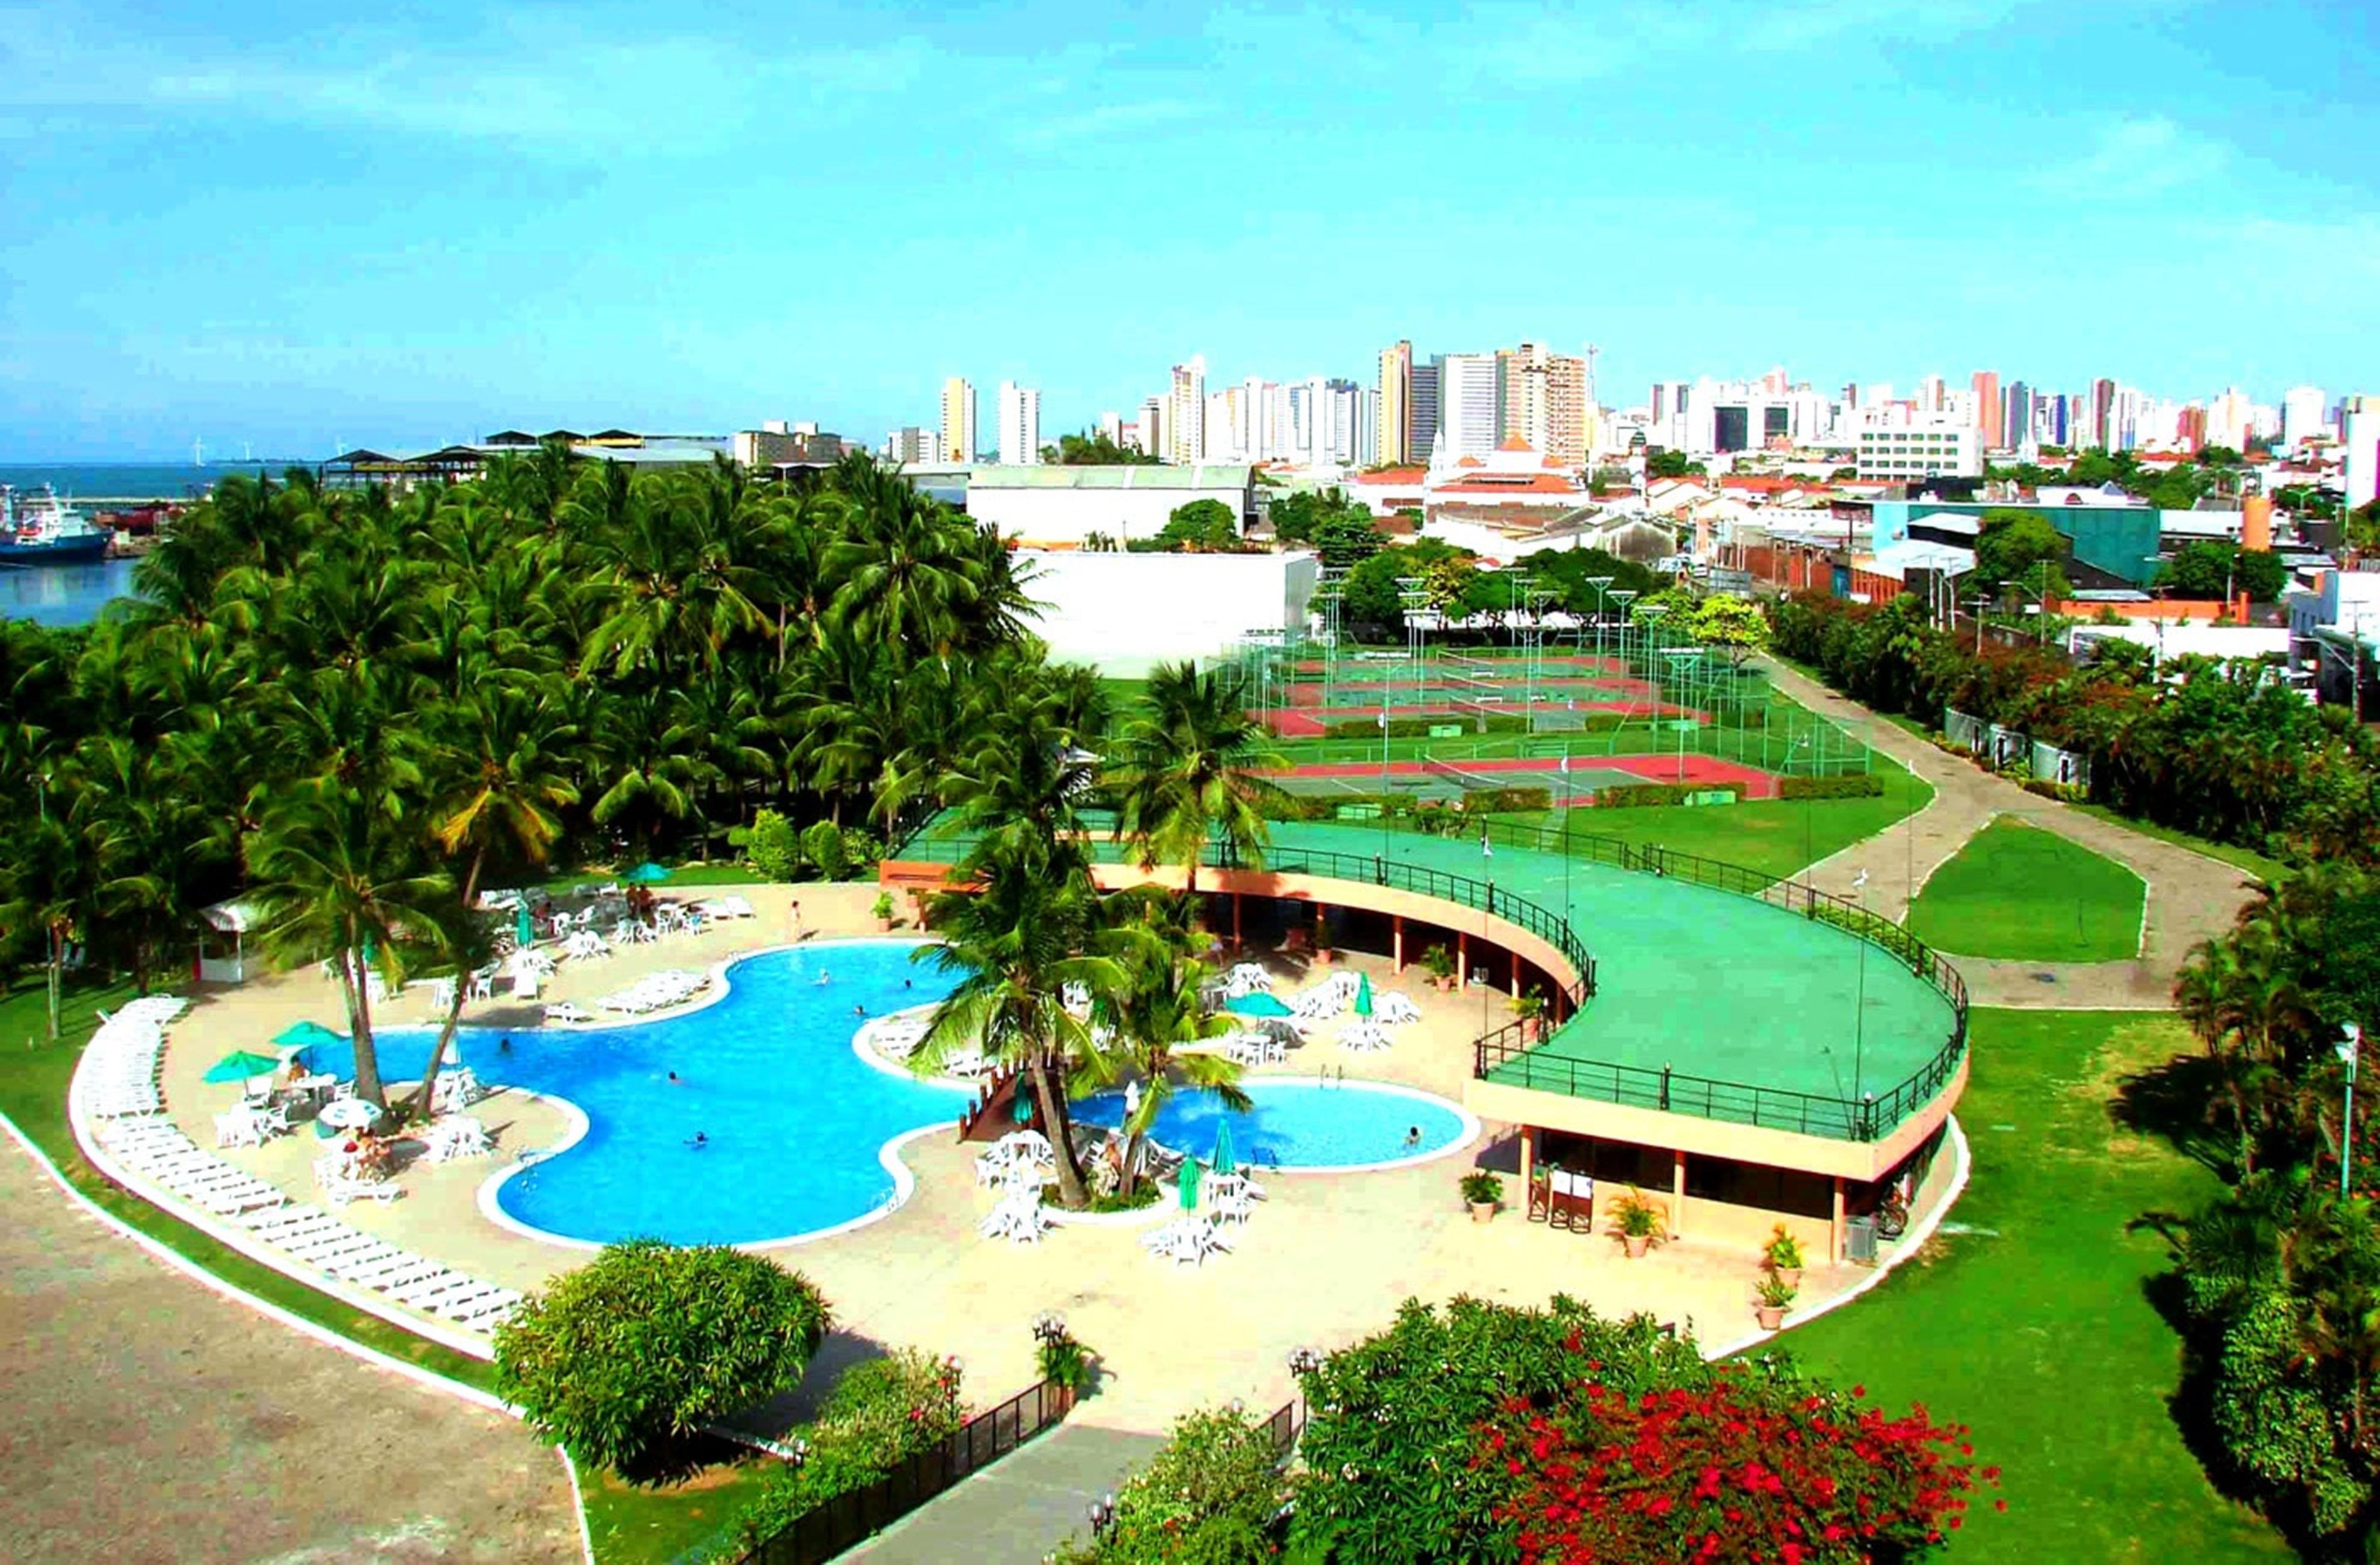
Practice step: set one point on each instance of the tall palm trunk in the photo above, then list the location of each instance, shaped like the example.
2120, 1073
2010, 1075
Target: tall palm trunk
1051, 1089
359, 998
419, 1107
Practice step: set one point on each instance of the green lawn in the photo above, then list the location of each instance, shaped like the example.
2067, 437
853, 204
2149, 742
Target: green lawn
1775, 837
2019, 893
633, 1526
2031, 1319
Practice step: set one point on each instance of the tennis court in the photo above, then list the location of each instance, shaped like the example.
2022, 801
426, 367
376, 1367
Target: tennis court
1571, 782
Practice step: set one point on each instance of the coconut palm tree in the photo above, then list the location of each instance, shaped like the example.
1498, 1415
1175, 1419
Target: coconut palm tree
1158, 1008
334, 879
1016, 942
1187, 772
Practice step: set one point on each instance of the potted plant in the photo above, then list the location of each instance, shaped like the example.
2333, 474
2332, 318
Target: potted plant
1530, 1009
1638, 1225
1440, 963
1481, 1190
883, 911
1782, 1257
1775, 1295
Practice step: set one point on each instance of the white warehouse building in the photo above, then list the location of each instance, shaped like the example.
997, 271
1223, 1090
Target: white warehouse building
1125, 614
1058, 507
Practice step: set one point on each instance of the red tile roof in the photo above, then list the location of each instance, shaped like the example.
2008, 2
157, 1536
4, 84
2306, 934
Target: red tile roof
1393, 475
1502, 484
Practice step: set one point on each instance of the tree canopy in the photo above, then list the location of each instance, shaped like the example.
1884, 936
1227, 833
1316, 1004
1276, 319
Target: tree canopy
1093, 448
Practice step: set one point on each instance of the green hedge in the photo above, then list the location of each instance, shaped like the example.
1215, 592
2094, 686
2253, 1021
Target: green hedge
1861, 785
1299, 806
878, 1414
1633, 796
2070, 792
1419, 727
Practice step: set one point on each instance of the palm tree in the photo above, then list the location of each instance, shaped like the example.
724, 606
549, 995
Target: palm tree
1016, 943
334, 879
1160, 1007
1187, 774
504, 781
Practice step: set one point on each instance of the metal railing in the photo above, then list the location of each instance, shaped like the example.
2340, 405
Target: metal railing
820, 1534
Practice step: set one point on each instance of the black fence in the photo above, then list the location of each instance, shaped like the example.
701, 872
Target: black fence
1288, 1422
820, 1534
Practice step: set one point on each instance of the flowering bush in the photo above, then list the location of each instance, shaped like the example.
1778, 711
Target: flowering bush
1208, 1497
878, 1414
1760, 1463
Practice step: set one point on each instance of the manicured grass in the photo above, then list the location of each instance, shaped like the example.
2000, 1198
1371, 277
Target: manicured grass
2031, 1316
33, 1092
2019, 893
1775, 837
630, 1524
2254, 863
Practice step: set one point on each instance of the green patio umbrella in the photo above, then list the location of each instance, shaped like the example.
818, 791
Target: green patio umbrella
523, 927
1224, 1161
1021, 1108
1363, 994
304, 1034
1258, 1003
1189, 1184
242, 1065
646, 874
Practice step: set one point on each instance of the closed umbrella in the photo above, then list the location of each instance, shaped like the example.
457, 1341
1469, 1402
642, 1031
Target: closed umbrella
242, 1065
646, 874
1256, 1004
1189, 1184
524, 928
1224, 1162
1363, 994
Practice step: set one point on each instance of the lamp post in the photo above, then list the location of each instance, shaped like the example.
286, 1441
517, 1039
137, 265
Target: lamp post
1681, 665
1859, 1006
2349, 1048
1599, 583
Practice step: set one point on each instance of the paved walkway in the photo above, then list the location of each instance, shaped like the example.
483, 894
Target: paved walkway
1020, 1507
150, 1419
2190, 896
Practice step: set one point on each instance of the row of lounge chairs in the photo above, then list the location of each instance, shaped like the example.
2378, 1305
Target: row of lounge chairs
118, 1076
658, 992
350, 1256
157, 1150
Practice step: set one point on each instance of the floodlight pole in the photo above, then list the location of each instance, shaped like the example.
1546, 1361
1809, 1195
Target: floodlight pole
1653, 616
2350, 1050
1599, 583
1683, 661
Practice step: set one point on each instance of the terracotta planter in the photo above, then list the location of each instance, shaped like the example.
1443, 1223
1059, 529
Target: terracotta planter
1770, 1316
1322, 958
884, 925
1482, 1210
1637, 1244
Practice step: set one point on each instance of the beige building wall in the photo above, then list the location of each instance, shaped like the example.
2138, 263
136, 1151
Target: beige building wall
958, 421
1392, 429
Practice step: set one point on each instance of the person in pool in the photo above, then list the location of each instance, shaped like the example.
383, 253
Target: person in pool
699, 1142
674, 1081
1413, 1136
825, 977
859, 1010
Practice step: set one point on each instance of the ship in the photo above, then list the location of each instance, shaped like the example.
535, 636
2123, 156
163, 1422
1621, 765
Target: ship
41, 529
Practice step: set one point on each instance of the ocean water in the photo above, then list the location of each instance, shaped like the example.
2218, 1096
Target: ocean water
129, 481
63, 595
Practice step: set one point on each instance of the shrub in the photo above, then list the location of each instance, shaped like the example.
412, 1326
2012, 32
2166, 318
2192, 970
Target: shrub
1208, 1497
2070, 793
1782, 1253
879, 1414
1419, 727
882, 906
1860, 785
651, 1342
1505, 801
822, 844
1063, 1362
1392, 1422
1481, 1188
1634, 796
1760, 1463
773, 848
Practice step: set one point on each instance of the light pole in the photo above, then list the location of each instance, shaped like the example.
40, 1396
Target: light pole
1653, 616
2348, 1048
1681, 665
1599, 583
1859, 1006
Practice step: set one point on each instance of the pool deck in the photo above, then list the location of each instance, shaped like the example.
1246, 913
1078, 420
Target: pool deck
1325, 1261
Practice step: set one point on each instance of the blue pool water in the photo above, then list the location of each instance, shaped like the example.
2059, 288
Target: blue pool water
793, 1119
1297, 1124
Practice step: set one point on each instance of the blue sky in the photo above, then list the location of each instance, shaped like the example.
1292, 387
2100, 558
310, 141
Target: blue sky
247, 222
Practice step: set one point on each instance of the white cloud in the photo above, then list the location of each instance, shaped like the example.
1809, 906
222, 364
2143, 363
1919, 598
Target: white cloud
2141, 156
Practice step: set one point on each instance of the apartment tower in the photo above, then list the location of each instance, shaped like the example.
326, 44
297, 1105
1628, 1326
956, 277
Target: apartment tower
1395, 424
1186, 413
958, 421
1020, 425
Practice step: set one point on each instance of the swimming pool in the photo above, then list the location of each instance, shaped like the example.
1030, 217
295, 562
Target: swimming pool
1303, 1125
793, 1121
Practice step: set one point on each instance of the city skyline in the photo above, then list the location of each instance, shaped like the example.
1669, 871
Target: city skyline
261, 227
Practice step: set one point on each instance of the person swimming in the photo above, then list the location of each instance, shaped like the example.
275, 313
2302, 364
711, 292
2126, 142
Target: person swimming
504, 1044
699, 1141
1413, 1136
674, 1081
824, 977
859, 1010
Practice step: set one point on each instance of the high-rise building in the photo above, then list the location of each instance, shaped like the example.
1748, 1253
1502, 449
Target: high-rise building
1395, 425
1154, 427
1020, 424
1468, 416
1421, 420
2229, 419
911, 445
1990, 416
2302, 415
2359, 432
2102, 433
1186, 413
2016, 422
958, 421
1541, 399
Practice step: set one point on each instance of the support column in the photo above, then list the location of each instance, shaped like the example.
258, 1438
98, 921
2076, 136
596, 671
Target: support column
1397, 942
1462, 961
1678, 1195
1528, 1161
1515, 961
1836, 1225
1235, 920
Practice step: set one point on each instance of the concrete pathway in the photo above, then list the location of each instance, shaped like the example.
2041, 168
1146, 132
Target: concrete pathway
1020, 1507
2190, 896
150, 1419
